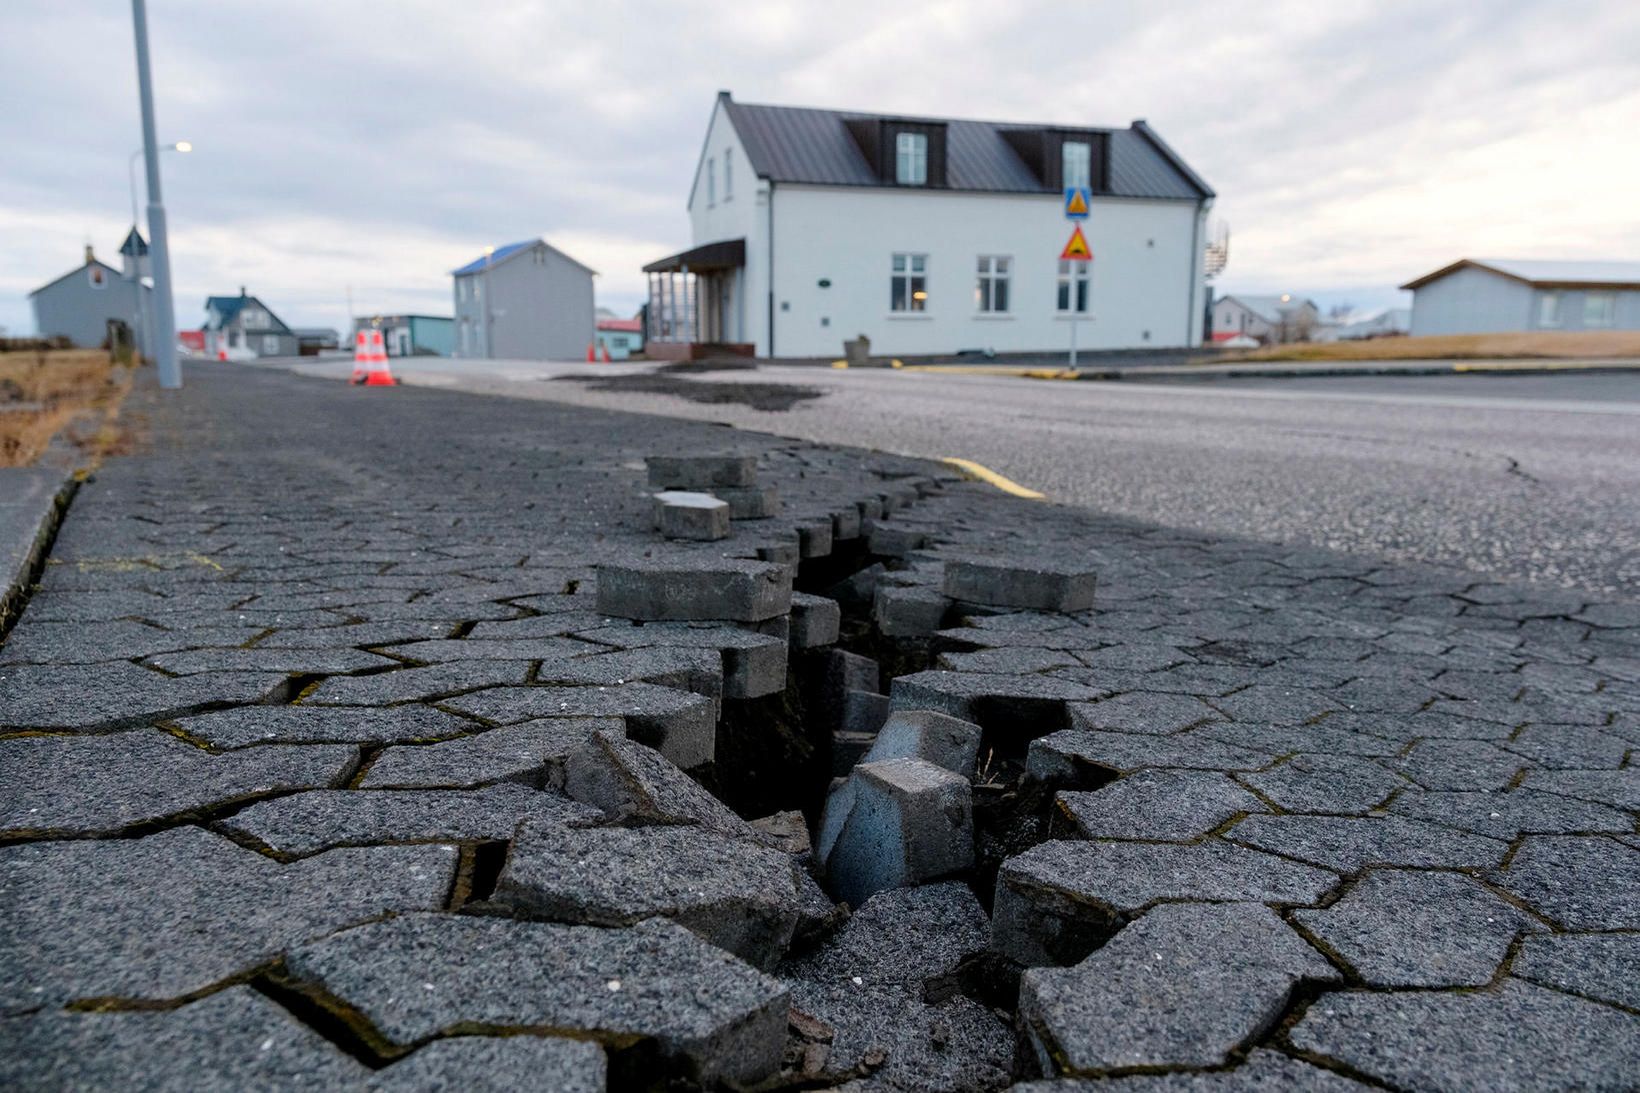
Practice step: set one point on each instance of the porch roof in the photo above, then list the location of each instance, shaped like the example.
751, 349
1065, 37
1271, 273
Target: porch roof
716, 257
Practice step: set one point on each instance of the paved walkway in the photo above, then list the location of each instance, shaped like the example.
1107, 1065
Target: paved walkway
322, 762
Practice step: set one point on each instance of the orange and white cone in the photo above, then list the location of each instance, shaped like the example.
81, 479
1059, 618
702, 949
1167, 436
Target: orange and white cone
370, 360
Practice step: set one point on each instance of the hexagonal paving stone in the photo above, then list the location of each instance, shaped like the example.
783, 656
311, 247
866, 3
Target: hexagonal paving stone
1347, 843
1168, 805
1605, 967
533, 753
1582, 882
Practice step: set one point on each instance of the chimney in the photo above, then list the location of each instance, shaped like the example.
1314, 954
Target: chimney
242, 291
89, 257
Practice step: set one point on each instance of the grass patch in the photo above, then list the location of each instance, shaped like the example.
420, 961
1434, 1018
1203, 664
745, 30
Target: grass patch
1534, 345
76, 392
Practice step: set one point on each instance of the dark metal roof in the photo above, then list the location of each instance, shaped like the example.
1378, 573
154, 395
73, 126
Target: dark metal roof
802, 145
502, 254
134, 244
724, 254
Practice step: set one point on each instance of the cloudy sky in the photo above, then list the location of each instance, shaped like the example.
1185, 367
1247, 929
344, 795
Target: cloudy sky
377, 144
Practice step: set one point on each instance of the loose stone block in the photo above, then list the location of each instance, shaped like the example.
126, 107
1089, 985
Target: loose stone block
813, 536
848, 749
900, 822
531, 753
739, 896
1520, 1037
1039, 701
947, 742
634, 784
709, 1014
816, 621
699, 516
685, 589
1183, 986
1037, 586
156, 918
902, 611
1164, 805
892, 539
749, 502
864, 712
754, 664
699, 472
912, 937
1059, 901
1417, 929
680, 725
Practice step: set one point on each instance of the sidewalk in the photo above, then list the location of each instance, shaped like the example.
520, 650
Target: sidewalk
1284, 369
323, 763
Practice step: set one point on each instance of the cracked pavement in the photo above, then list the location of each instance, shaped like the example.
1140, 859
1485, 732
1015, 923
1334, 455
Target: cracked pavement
320, 763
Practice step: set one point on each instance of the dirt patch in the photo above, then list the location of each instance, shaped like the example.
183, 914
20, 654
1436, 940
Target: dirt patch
76, 392
1536, 344
693, 367
774, 397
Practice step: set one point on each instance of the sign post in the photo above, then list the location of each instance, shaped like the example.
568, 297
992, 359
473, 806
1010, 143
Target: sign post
1076, 250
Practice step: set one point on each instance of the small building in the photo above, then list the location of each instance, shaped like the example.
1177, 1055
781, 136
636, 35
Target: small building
622, 338
313, 340
242, 327
524, 301
94, 304
1387, 322
1503, 295
929, 235
1283, 318
413, 335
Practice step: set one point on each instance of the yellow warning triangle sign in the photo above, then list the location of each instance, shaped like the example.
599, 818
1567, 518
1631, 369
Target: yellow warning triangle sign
1077, 205
1077, 249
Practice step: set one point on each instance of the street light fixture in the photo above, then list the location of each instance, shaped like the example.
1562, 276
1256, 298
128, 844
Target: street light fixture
142, 322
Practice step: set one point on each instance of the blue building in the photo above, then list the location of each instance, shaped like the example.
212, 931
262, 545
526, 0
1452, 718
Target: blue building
413, 335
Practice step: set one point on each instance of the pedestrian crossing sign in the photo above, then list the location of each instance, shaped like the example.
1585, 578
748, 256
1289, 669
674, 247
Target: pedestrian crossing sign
1077, 249
1076, 203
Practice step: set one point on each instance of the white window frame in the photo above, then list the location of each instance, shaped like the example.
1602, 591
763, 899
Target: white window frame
711, 182
1549, 304
993, 288
1073, 284
1603, 316
1082, 174
911, 159
908, 283
728, 174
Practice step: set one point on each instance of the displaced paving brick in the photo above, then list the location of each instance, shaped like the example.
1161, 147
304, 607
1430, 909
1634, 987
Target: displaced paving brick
1401, 928
683, 515
922, 734
532, 753
1605, 967
86, 696
692, 472
86, 785
305, 823
908, 611
249, 725
160, 917
754, 664
1059, 901
1583, 883
1166, 805
1143, 713
697, 670
497, 1064
1039, 585
1312, 782
686, 588
749, 502
739, 896
680, 725
234, 1039
1505, 815
969, 695
634, 784
1520, 1037
894, 823
816, 621
913, 937
1348, 843
1183, 986
1067, 756
418, 975
1264, 1071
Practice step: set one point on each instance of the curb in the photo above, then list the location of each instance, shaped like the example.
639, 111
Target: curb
35, 500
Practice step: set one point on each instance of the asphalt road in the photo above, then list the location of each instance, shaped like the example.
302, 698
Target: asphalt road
1524, 478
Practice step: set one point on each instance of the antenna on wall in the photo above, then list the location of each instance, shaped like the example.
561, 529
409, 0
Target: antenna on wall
1218, 249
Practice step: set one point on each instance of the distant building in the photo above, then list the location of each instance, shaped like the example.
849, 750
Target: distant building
1387, 322
524, 301
622, 337
929, 235
242, 327
413, 335
1500, 295
1283, 318
88, 302
1233, 339
313, 340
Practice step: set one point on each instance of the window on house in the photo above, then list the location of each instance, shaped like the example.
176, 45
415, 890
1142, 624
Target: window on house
1073, 287
991, 290
1549, 309
911, 159
908, 287
728, 173
711, 183
1599, 308
1076, 163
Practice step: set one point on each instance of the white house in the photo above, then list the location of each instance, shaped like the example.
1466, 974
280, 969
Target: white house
1499, 295
928, 235
243, 327
1283, 318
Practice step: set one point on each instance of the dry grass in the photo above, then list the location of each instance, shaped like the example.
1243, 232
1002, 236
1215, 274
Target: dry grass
76, 392
1538, 344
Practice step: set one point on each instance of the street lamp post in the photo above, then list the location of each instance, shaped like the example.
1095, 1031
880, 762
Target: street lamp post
131, 170
486, 312
165, 317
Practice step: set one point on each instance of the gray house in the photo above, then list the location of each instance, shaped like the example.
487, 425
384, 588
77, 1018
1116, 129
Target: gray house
241, 327
82, 303
1284, 318
523, 301
1502, 295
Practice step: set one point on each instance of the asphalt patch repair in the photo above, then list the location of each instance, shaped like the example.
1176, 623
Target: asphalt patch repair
394, 749
669, 380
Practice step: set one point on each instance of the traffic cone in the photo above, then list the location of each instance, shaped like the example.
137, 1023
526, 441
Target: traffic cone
361, 355
370, 361
606, 353
592, 358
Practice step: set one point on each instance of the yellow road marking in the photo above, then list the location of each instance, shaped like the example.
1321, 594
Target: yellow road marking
995, 370
978, 473
1540, 366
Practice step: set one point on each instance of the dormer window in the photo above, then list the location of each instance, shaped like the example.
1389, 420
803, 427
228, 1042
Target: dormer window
911, 159
1076, 164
